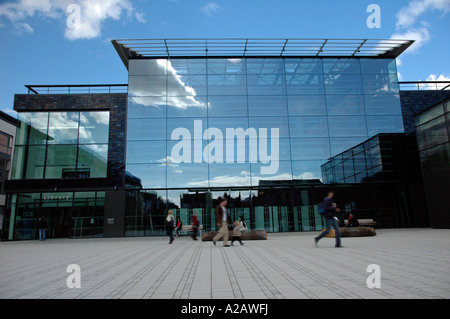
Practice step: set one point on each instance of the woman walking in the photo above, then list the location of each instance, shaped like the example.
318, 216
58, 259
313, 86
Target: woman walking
170, 225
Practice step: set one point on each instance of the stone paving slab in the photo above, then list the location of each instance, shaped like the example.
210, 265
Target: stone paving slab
413, 263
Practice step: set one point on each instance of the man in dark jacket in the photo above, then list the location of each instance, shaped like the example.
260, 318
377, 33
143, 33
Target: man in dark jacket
330, 219
42, 226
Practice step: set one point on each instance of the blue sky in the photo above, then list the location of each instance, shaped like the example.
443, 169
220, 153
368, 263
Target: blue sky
41, 46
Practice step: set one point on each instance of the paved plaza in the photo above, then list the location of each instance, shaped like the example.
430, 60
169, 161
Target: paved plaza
413, 263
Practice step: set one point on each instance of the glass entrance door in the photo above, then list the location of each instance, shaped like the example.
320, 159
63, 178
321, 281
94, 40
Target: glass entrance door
57, 209
58, 220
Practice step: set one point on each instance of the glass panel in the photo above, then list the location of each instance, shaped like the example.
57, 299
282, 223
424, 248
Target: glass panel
147, 175
341, 66
307, 169
187, 175
63, 128
186, 85
429, 114
38, 132
267, 105
386, 104
186, 66
147, 86
303, 66
375, 66
229, 150
233, 124
226, 66
32, 128
434, 132
265, 66
146, 152
83, 215
227, 106
147, 67
339, 145
149, 106
186, 106
447, 106
384, 124
304, 84
308, 126
266, 84
262, 174
189, 128
23, 126
229, 175
94, 127
360, 162
185, 150
347, 126
380, 84
227, 84
60, 160
345, 104
270, 123
146, 129
343, 84
310, 148
92, 161
306, 104
19, 162
35, 162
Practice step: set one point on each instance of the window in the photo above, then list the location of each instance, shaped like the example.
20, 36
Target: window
61, 145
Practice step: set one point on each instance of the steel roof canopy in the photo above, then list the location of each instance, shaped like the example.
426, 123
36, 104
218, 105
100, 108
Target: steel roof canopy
239, 48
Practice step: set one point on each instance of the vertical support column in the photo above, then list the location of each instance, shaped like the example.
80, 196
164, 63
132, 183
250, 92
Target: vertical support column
115, 209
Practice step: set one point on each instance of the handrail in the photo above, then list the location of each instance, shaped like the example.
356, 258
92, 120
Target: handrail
77, 88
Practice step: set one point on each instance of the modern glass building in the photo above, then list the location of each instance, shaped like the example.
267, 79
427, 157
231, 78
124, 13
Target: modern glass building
255, 120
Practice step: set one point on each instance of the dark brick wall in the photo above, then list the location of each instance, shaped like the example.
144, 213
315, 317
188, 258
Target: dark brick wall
414, 102
114, 102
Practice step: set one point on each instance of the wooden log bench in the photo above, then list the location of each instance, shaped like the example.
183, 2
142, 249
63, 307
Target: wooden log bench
358, 231
186, 229
364, 222
247, 235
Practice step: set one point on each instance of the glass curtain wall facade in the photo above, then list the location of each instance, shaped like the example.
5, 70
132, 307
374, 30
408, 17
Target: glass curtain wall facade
198, 128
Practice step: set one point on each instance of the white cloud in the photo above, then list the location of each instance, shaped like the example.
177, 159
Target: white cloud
409, 15
210, 8
407, 23
421, 36
92, 14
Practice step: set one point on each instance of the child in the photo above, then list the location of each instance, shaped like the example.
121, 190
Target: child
237, 233
179, 226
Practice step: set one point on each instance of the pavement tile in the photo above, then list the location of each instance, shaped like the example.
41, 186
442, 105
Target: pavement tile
413, 264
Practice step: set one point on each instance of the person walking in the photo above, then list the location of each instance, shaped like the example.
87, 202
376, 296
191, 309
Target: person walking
170, 225
331, 220
42, 226
237, 232
194, 226
222, 221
